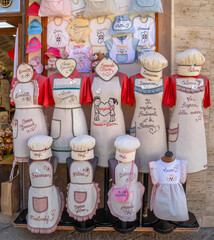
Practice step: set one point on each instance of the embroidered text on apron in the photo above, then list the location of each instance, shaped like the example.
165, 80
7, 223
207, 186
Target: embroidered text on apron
107, 121
148, 123
83, 193
186, 132
45, 201
28, 119
68, 117
126, 211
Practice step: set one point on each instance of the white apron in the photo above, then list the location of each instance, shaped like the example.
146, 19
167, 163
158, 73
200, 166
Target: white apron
107, 121
168, 200
186, 132
28, 119
126, 211
77, 7
83, 193
45, 201
148, 123
68, 117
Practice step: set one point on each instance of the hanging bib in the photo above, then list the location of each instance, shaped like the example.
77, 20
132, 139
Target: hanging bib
146, 6
55, 8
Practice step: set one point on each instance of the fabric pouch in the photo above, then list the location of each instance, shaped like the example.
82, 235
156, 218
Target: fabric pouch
121, 194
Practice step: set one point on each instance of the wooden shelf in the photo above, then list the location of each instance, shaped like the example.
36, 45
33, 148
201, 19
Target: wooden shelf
111, 229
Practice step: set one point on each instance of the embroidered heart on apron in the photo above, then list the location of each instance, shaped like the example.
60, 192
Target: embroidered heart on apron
104, 109
154, 129
66, 66
106, 69
24, 72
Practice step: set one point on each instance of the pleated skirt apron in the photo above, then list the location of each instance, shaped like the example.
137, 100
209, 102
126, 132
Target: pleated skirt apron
45, 206
148, 123
68, 118
107, 121
187, 138
168, 201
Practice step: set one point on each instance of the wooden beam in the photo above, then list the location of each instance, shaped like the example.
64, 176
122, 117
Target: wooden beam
7, 31
20, 43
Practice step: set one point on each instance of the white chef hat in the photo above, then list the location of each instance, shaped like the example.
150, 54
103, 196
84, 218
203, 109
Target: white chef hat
126, 148
40, 147
190, 57
152, 65
189, 62
82, 147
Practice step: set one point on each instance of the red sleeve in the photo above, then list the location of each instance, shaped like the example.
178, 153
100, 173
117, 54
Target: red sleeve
131, 90
206, 100
51, 101
172, 91
12, 84
85, 93
124, 81
43, 91
166, 91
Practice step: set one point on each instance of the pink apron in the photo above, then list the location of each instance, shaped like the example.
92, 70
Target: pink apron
126, 211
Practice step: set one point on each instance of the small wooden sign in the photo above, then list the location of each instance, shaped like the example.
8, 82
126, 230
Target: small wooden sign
106, 69
24, 72
66, 66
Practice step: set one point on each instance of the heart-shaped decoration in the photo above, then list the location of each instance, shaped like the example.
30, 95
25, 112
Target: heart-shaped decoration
154, 129
66, 66
106, 69
104, 109
24, 72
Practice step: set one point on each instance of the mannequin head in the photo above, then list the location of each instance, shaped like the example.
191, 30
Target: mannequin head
189, 62
153, 64
40, 147
82, 147
168, 157
126, 147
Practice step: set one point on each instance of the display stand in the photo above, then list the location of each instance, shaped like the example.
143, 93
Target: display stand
103, 216
124, 227
163, 227
148, 218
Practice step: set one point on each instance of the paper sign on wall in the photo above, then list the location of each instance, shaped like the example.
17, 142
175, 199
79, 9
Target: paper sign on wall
66, 66
106, 69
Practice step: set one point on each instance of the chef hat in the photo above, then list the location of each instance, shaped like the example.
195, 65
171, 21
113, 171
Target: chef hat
190, 57
126, 148
153, 61
152, 65
82, 147
40, 147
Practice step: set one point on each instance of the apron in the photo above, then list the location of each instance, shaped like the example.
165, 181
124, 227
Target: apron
68, 117
187, 138
45, 201
126, 211
148, 123
168, 200
77, 6
83, 193
107, 121
29, 119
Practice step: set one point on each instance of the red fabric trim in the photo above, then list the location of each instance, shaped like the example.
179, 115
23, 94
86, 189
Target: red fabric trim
125, 91
131, 90
85, 93
166, 91
206, 100
172, 87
